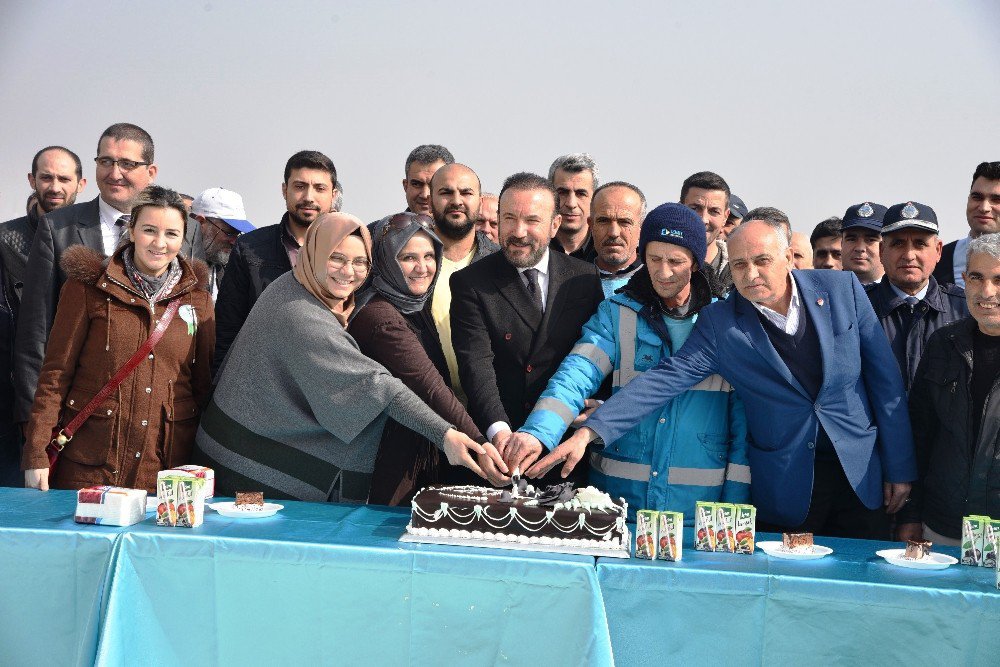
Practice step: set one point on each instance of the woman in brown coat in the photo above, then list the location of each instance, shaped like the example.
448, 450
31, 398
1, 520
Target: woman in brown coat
106, 311
395, 329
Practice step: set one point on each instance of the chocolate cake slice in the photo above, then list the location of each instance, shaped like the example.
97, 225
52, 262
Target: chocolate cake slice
917, 550
250, 501
797, 542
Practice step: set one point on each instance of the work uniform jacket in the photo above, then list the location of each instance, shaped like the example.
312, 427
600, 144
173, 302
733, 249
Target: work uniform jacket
149, 422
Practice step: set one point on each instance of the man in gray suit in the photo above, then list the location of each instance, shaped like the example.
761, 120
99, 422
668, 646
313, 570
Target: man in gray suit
124, 167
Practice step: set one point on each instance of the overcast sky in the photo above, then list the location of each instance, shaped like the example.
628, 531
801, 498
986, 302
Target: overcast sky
807, 106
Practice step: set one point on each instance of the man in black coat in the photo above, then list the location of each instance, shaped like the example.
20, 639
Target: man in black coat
259, 257
982, 212
124, 167
517, 313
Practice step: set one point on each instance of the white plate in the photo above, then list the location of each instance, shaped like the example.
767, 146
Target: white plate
229, 509
777, 550
934, 561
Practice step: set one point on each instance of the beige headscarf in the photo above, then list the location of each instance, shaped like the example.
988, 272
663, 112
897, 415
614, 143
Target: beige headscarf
323, 236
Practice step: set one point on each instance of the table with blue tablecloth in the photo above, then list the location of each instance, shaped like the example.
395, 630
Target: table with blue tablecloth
850, 607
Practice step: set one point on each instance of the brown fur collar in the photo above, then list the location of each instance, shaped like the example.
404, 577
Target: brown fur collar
87, 266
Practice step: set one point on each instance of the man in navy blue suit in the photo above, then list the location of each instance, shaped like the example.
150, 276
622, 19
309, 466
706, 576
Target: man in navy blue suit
831, 448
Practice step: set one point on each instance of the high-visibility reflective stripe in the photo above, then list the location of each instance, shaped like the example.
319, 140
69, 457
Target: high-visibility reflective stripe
621, 469
738, 473
696, 476
712, 383
556, 406
594, 355
627, 321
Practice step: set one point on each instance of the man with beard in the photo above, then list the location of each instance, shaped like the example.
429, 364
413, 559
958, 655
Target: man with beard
56, 178
455, 202
517, 314
125, 165
615, 220
421, 165
574, 176
982, 212
309, 189
861, 234
222, 218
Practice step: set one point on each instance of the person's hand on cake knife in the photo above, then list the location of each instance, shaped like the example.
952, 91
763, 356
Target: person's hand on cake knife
570, 451
521, 451
457, 446
493, 474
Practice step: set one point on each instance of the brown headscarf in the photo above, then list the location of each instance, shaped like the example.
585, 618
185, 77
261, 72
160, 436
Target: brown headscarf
323, 236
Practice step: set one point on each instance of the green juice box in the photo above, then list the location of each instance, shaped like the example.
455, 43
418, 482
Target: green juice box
670, 529
746, 528
704, 526
991, 536
725, 527
973, 530
645, 534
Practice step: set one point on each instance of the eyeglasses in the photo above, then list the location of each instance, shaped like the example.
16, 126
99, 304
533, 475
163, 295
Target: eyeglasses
123, 164
360, 264
225, 231
403, 220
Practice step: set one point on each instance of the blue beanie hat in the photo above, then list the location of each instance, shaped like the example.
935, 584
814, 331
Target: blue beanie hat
677, 224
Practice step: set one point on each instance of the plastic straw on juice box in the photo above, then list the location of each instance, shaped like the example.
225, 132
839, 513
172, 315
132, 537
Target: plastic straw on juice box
670, 529
725, 527
704, 526
645, 534
746, 528
973, 529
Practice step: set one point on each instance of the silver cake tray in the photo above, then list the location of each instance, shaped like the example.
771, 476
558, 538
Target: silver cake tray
607, 552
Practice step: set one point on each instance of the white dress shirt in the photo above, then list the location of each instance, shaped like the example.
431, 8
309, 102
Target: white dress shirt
110, 233
959, 260
788, 323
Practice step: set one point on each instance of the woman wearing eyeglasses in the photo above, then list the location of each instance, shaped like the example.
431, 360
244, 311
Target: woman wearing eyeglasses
395, 328
299, 410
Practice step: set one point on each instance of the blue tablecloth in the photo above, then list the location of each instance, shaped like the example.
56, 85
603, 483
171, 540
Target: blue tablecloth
848, 608
317, 583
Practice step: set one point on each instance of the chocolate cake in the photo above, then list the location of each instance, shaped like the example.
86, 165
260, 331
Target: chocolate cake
797, 542
557, 515
250, 501
916, 550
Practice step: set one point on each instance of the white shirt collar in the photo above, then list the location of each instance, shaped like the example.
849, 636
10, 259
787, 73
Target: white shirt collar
788, 323
109, 214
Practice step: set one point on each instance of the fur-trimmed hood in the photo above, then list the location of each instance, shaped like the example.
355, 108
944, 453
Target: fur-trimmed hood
86, 265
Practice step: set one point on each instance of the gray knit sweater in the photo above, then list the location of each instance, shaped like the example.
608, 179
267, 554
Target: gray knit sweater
299, 410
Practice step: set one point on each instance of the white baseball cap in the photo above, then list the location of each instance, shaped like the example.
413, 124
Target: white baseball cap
224, 204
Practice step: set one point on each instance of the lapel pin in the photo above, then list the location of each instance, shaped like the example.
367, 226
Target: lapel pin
819, 302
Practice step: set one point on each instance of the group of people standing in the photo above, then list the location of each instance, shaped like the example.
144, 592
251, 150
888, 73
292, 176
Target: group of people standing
688, 351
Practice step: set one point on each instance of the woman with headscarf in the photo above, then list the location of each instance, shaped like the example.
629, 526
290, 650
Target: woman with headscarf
107, 310
299, 410
395, 328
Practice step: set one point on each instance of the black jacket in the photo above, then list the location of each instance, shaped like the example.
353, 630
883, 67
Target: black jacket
506, 350
959, 470
15, 244
941, 305
79, 224
257, 259
944, 272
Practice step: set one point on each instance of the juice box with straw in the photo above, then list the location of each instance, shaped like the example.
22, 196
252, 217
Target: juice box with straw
670, 531
645, 534
746, 528
725, 527
704, 526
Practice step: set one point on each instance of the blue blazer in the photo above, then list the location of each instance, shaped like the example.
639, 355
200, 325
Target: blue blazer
861, 404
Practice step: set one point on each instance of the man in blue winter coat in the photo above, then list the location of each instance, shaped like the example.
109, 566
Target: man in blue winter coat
694, 447
831, 450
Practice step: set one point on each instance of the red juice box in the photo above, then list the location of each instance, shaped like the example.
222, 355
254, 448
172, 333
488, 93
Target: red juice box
704, 526
670, 531
725, 527
645, 534
746, 528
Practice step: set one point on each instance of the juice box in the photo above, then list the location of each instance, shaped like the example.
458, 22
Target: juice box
991, 537
746, 528
973, 529
645, 534
208, 489
725, 527
670, 529
180, 501
704, 526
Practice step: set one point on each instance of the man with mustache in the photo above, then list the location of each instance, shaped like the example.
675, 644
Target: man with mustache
982, 212
56, 178
222, 218
955, 408
615, 220
860, 234
516, 314
909, 302
707, 194
125, 165
825, 241
830, 448
574, 176
455, 201
258, 257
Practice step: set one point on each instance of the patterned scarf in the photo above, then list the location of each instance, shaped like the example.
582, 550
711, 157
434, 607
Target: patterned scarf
151, 287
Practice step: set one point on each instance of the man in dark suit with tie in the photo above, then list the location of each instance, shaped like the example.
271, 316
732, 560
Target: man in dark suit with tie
517, 313
124, 167
831, 450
